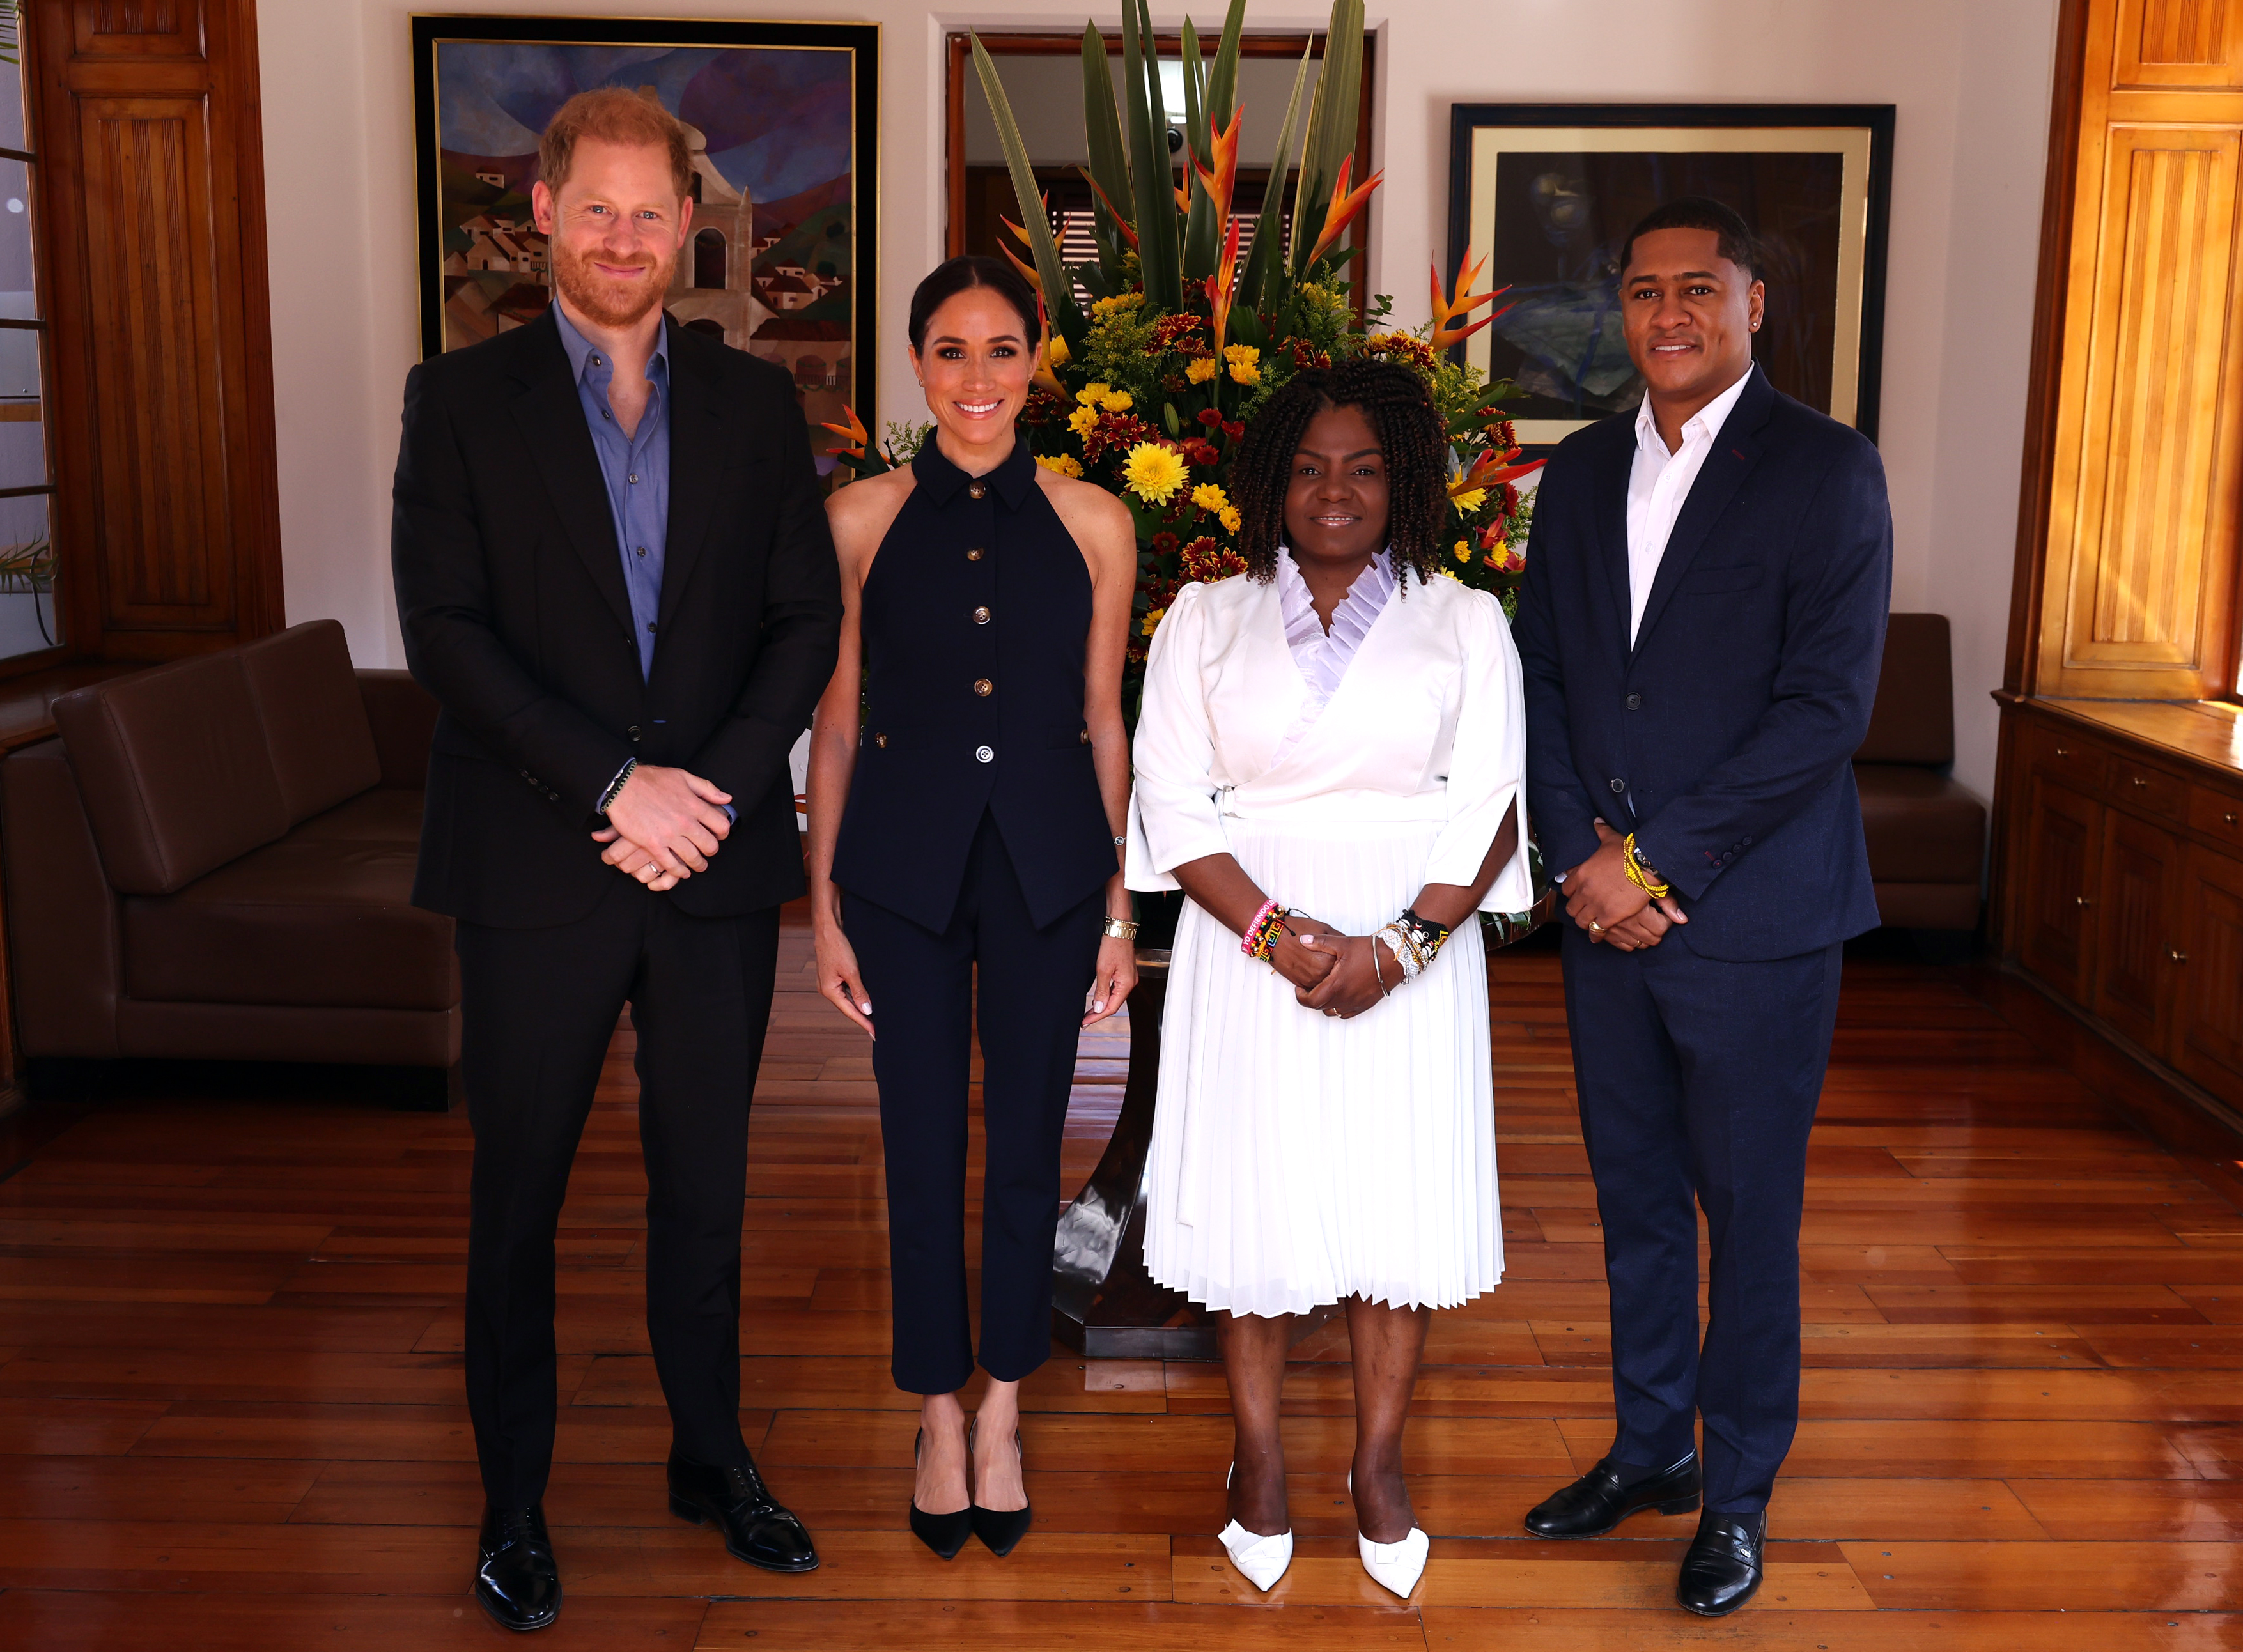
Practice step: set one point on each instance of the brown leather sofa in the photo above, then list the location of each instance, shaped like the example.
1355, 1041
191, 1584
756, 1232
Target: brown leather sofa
1927, 834
215, 862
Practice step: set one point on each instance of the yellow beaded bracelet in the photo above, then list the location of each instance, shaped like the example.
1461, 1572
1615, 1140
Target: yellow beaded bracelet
1643, 879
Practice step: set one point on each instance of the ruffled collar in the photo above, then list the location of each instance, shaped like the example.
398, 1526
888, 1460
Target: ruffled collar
1323, 656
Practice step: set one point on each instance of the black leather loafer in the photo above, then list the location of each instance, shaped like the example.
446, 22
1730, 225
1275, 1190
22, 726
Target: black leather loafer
1597, 1501
756, 1528
1721, 1570
518, 1581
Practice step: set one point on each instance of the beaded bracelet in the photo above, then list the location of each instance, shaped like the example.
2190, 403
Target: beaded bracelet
1261, 935
1643, 877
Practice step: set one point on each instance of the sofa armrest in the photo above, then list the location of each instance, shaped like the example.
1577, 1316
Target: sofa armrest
64, 954
404, 718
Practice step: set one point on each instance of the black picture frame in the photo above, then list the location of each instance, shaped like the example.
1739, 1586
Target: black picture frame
1736, 129
859, 306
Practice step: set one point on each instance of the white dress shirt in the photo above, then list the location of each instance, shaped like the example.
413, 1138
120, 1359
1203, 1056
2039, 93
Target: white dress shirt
1658, 482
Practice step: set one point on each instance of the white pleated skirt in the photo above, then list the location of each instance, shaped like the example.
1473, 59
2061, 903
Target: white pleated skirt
1300, 1159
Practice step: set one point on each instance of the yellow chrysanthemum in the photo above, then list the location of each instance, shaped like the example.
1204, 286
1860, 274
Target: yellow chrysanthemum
1091, 395
1060, 464
1208, 497
1202, 369
1118, 401
1103, 307
1153, 621
1469, 503
1154, 472
1229, 518
1081, 419
1058, 350
1462, 547
1245, 361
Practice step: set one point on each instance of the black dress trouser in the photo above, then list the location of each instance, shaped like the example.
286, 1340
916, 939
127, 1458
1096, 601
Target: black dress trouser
1031, 983
538, 1008
1699, 1079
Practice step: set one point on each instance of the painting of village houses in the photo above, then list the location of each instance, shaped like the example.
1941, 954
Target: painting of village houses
774, 263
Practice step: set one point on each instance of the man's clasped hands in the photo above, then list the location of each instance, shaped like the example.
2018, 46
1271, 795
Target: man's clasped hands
1611, 906
663, 826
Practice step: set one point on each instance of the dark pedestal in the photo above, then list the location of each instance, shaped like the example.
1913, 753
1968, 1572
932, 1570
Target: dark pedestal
1104, 1304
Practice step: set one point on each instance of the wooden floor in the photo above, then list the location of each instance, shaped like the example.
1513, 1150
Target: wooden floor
231, 1414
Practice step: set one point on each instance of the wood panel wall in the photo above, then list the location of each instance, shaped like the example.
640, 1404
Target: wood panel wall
2127, 576
146, 120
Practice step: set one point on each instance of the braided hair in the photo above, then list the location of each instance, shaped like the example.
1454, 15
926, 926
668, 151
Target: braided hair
1411, 433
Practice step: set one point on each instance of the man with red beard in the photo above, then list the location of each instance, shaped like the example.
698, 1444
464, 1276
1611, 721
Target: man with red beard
613, 573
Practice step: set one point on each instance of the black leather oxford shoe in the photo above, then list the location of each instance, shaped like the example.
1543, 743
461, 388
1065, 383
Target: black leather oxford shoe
756, 1528
518, 1581
1722, 1567
1598, 1502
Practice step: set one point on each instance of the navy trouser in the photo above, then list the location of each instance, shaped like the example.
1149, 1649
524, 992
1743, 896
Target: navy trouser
1031, 1006
536, 1009
1698, 1080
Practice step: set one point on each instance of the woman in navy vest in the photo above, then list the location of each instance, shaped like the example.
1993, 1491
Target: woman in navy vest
974, 727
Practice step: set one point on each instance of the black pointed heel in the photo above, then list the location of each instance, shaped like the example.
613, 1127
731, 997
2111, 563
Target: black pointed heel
945, 1533
1001, 1530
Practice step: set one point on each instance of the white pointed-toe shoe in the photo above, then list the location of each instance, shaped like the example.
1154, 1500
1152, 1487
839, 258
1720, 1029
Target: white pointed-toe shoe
1396, 1565
1393, 1566
1264, 1560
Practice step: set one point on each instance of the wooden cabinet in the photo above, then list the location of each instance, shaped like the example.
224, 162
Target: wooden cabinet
2137, 928
2207, 1042
2120, 885
2064, 856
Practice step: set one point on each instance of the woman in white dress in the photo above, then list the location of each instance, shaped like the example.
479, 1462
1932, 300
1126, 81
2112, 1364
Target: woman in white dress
1336, 732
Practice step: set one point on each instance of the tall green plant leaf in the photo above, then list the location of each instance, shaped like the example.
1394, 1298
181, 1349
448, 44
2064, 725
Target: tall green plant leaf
1331, 126
1109, 161
1059, 291
1222, 77
1262, 283
1202, 233
1150, 177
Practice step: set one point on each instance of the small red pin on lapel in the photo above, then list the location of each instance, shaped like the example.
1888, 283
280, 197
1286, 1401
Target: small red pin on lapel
1739, 452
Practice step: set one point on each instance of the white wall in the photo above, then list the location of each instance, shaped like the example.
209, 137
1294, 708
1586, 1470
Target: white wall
1970, 79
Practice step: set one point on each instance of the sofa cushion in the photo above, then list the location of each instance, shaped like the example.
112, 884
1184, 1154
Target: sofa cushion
383, 815
314, 717
1913, 721
1922, 826
175, 771
314, 920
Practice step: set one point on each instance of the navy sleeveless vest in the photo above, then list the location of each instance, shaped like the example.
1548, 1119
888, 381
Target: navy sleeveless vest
974, 618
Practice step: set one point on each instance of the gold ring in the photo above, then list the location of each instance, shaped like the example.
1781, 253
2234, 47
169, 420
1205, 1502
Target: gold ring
1595, 926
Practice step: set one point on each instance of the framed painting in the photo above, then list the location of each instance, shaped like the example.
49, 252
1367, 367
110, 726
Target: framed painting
784, 117
1547, 192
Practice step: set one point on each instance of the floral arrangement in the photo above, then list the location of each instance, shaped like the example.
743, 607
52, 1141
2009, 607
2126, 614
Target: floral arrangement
1147, 388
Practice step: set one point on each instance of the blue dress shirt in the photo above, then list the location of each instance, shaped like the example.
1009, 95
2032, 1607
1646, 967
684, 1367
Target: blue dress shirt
636, 469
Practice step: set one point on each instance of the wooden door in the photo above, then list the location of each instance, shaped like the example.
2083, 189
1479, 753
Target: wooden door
2207, 1039
147, 118
2138, 928
2063, 856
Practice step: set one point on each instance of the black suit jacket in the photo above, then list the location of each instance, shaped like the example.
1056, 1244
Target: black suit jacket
510, 591
1724, 738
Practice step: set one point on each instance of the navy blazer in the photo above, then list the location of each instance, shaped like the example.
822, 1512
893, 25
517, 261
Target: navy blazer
511, 597
1724, 739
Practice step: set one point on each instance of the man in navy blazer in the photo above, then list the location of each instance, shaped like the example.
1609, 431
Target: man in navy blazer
1701, 628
